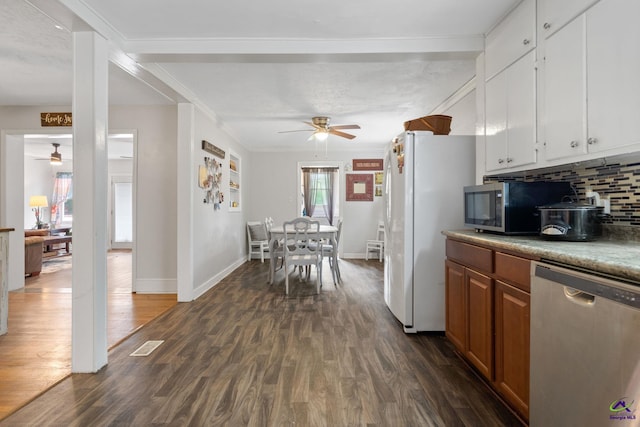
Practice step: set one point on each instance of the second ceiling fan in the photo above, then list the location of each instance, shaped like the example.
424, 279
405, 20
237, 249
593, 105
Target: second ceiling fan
323, 130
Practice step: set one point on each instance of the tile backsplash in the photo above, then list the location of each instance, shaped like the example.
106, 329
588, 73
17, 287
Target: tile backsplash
619, 181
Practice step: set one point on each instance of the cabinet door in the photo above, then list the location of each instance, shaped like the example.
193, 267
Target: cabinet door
521, 112
480, 309
512, 38
512, 311
456, 305
554, 14
496, 122
565, 92
510, 116
613, 67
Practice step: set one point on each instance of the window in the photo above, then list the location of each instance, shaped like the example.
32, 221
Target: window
62, 199
320, 193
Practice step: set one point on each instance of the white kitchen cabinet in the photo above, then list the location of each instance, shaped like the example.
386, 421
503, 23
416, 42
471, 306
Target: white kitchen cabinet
511, 39
510, 116
591, 85
613, 70
553, 14
565, 92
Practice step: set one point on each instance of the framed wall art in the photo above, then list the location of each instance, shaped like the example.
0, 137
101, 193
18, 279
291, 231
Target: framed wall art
359, 187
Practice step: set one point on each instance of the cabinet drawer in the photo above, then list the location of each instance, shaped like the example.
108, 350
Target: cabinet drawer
470, 255
515, 270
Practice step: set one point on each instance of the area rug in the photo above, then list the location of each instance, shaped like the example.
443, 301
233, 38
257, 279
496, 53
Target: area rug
53, 265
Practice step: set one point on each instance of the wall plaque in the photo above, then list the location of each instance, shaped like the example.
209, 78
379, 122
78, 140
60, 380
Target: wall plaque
368, 164
210, 148
55, 119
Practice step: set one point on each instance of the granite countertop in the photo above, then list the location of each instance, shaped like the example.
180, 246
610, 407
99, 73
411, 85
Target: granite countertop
613, 257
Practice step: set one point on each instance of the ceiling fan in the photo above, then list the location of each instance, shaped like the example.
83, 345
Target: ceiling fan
322, 129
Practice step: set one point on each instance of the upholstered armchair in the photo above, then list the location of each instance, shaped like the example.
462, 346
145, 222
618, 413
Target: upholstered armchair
33, 241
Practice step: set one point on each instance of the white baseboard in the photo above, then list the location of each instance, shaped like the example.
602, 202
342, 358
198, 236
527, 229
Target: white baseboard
353, 256
210, 283
156, 286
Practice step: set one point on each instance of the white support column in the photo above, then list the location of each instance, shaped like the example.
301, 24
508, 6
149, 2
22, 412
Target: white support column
90, 124
185, 201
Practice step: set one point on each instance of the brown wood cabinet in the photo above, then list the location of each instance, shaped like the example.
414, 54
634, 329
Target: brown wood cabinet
487, 316
480, 330
512, 312
456, 303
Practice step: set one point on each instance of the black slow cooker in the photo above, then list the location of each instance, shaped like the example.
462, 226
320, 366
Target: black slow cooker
570, 221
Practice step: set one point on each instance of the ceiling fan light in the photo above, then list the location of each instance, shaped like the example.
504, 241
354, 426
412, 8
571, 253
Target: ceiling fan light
56, 158
321, 135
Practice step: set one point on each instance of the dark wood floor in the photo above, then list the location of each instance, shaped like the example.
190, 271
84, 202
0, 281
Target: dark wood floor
36, 351
244, 354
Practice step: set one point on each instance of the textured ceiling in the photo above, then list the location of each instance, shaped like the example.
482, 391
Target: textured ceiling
257, 67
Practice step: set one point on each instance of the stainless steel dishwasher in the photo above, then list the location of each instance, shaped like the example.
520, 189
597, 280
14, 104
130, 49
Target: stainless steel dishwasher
585, 349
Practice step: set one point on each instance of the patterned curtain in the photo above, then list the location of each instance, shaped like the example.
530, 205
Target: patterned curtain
62, 191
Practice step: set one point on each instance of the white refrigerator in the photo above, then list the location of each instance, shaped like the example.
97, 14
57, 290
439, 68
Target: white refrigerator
423, 191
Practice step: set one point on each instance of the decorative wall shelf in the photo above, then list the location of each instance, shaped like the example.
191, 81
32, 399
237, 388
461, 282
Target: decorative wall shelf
235, 188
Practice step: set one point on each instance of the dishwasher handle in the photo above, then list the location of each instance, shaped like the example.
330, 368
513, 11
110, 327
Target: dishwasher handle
578, 297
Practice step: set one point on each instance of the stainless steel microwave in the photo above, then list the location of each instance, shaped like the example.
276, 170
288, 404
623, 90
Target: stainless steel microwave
510, 207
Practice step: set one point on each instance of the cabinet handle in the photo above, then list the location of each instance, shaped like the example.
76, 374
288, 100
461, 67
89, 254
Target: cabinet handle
509, 160
526, 42
592, 141
500, 161
574, 144
546, 26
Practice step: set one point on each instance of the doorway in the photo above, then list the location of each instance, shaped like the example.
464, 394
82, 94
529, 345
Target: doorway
121, 212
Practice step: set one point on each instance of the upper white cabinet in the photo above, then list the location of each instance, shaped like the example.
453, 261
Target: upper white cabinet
511, 39
553, 14
565, 92
592, 100
613, 74
510, 116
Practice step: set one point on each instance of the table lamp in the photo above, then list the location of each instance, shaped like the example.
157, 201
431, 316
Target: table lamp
36, 203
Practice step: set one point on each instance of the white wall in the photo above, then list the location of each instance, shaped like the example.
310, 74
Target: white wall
463, 115
156, 210
156, 230
38, 180
219, 235
272, 190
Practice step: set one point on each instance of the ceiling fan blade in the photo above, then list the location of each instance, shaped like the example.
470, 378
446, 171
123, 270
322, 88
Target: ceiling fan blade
345, 127
299, 130
342, 134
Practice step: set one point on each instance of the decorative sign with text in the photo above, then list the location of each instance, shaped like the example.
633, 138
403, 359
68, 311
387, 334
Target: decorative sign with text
55, 119
210, 148
367, 164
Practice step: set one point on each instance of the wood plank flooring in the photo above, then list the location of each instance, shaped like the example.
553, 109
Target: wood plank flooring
36, 352
244, 354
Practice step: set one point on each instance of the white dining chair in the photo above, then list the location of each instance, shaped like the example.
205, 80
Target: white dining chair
330, 251
299, 234
258, 239
376, 245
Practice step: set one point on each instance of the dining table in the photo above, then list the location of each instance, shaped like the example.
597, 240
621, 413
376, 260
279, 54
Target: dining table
276, 234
